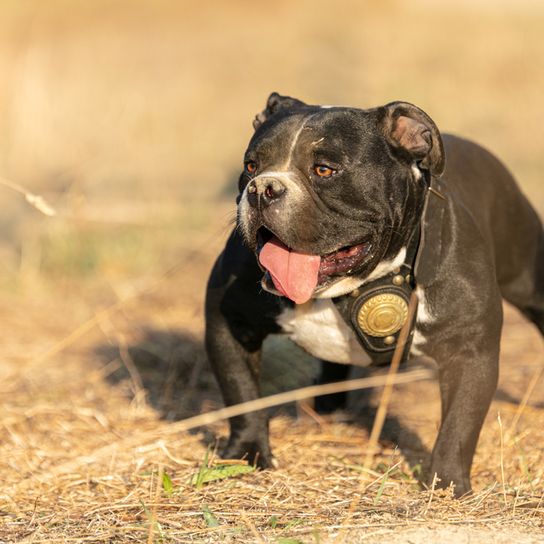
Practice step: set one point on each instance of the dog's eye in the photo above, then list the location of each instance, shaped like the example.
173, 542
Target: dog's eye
323, 171
250, 167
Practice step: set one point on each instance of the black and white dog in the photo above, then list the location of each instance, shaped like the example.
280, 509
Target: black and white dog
342, 213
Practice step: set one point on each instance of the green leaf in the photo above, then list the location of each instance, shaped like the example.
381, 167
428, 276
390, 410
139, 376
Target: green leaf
289, 541
219, 472
209, 518
293, 523
167, 484
197, 479
378, 496
146, 509
273, 522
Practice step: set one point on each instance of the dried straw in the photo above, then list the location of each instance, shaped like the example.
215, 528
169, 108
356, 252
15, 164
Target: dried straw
34, 200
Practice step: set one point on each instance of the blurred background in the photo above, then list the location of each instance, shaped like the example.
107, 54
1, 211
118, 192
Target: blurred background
131, 118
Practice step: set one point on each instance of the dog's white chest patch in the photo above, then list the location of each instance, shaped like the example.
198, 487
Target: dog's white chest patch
317, 327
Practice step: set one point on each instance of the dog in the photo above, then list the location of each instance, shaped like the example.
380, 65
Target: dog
342, 214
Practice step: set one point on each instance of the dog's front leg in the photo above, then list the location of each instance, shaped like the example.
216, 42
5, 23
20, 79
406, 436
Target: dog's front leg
467, 382
236, 366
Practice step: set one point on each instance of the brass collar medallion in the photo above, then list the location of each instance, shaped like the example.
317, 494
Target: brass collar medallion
383, 314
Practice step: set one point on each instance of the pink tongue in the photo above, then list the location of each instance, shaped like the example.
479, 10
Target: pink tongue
294, 274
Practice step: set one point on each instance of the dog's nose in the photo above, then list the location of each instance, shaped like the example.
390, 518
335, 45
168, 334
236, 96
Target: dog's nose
264, 191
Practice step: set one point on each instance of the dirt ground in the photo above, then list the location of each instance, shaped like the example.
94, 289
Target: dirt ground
89, 421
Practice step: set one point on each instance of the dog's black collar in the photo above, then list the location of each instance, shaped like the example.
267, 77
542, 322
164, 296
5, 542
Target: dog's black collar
377, 310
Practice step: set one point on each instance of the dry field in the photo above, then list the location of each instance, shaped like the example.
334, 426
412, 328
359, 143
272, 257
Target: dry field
131, 119
91, 424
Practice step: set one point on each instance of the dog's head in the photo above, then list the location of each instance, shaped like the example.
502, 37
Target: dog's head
329, 192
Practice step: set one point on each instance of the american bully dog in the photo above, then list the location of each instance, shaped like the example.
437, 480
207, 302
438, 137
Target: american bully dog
342, 213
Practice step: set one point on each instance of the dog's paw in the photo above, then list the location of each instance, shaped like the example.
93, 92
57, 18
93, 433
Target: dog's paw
254, 453
458, 484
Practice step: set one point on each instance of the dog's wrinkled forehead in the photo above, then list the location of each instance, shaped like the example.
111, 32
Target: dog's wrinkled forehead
341, 133
398, 131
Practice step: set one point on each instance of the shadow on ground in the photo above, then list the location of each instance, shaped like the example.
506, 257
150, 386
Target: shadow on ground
170, 366
504, 396
172, 369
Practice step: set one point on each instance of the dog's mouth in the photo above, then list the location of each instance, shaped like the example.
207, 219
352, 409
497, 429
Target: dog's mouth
296, 275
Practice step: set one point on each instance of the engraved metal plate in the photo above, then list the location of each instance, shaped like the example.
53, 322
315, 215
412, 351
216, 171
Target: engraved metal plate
382, 315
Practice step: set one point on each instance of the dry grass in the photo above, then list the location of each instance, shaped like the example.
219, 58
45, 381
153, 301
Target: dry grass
131, 123
84, 440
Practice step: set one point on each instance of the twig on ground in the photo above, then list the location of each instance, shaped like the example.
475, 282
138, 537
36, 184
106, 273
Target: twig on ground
502, 459
433, 487
251, 526
153, 517
137, 384
381, 413
387, 392
523, 404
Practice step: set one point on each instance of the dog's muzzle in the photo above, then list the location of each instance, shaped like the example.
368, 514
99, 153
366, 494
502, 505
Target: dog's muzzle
263, 191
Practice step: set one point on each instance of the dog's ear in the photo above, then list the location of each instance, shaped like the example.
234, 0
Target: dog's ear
275, 103
413, 135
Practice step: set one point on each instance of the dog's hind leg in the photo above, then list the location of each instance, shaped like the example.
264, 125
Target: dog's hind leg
526, 292
535, 310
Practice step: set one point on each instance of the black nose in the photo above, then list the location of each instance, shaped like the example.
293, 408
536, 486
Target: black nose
264, 191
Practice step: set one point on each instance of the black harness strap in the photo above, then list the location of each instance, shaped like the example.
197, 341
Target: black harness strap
377, 310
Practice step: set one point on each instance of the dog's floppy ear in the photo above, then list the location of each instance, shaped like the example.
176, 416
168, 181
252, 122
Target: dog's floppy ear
275, 103
413, 135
